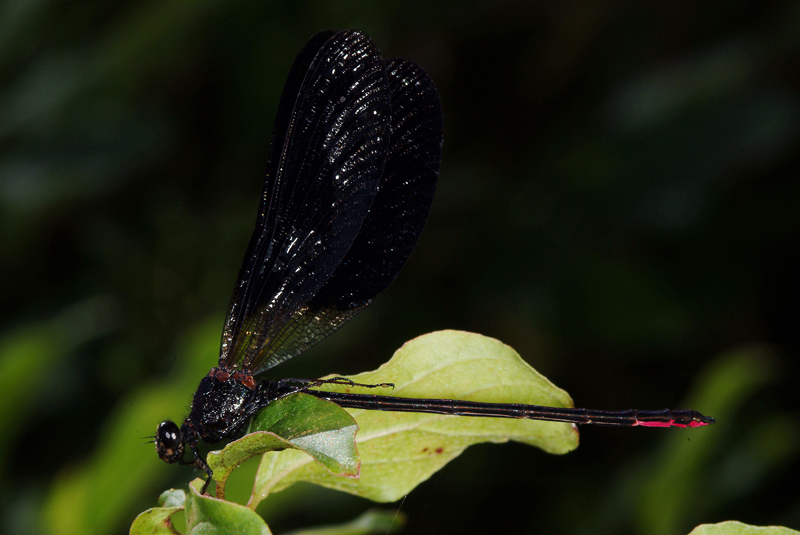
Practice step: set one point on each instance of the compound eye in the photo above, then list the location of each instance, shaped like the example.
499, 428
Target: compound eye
169, 443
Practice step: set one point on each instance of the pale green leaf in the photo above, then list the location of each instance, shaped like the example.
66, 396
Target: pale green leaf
400, 450
737, 528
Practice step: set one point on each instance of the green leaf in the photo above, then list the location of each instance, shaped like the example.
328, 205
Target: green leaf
400, 450
210, 516
737, 528
314, 426
156, 521
172, 498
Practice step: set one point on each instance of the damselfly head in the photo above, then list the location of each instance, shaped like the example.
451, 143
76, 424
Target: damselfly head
169, 442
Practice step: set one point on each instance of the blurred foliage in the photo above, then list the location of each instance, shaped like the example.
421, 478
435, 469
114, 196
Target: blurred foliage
618, 202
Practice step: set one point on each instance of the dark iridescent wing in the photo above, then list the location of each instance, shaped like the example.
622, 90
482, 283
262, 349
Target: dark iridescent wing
329, 148
398, 213
394, 223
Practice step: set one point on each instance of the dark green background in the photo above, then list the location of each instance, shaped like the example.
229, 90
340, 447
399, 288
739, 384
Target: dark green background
618, 201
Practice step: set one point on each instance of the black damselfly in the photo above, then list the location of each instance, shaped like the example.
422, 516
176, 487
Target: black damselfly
352, 171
